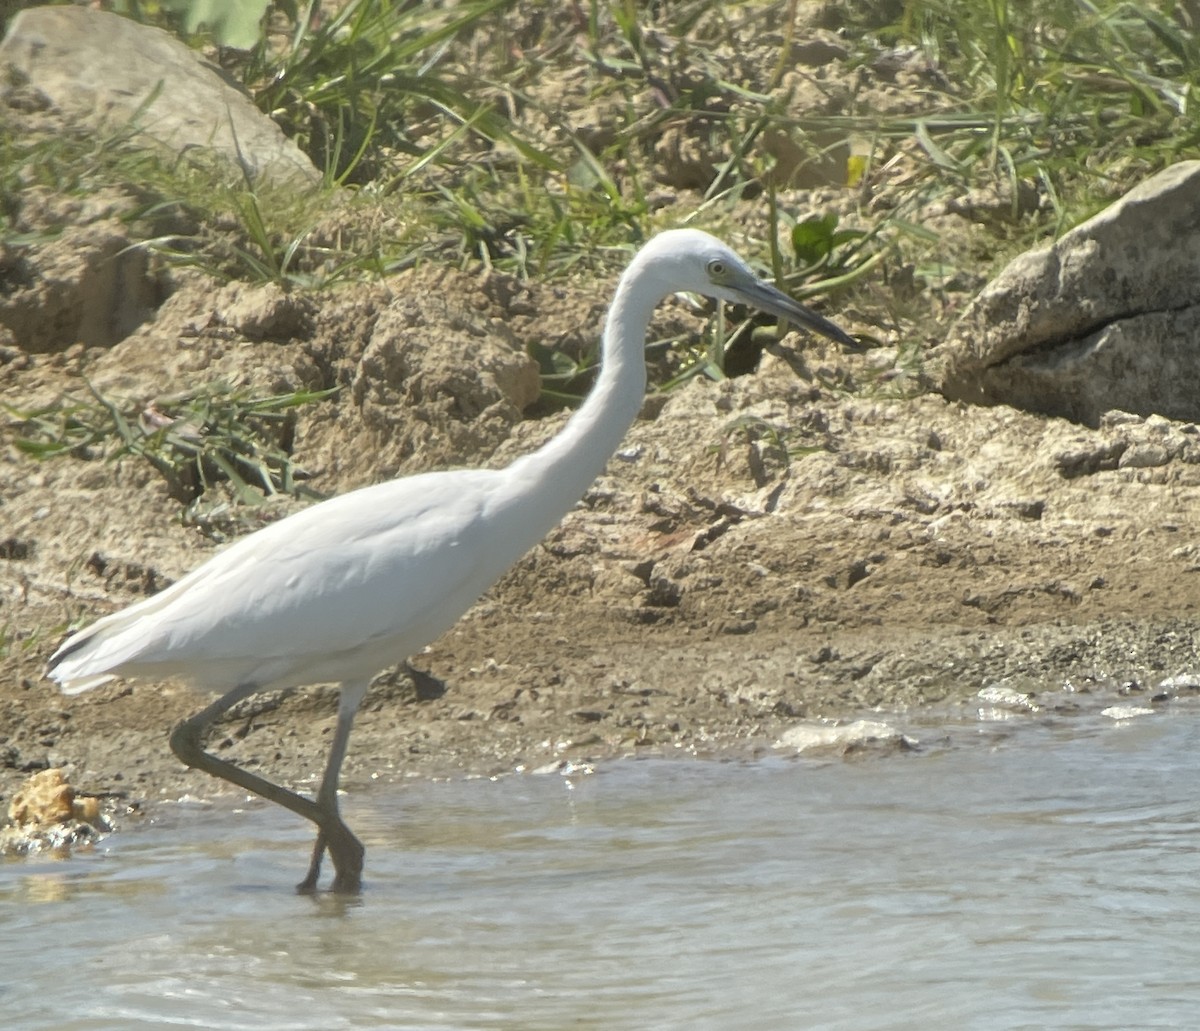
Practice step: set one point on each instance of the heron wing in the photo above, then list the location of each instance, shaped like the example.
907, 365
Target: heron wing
328, 579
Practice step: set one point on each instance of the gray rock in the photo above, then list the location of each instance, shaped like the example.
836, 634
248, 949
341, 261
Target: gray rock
844, 738
1108, 317
108, 72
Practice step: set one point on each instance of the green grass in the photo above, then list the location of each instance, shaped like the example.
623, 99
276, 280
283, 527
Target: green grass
439, 141
215, 447
1082, 97
436, 115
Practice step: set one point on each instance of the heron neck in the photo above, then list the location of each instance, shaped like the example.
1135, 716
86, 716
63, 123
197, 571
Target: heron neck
571, 461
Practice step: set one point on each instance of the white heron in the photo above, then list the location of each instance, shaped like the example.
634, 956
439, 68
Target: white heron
341, 590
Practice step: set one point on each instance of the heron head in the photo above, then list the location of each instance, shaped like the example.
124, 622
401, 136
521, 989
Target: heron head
693, 261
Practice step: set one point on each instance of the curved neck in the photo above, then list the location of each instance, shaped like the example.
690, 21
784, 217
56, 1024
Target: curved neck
568, 464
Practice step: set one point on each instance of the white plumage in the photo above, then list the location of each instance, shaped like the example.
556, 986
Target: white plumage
341, 590
279, 604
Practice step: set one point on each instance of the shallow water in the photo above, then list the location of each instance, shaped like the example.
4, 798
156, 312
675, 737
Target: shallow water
1045, 877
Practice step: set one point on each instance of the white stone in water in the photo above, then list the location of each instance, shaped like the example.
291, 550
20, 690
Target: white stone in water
804, 737
1007, 697
564, 767
1126, 712
1180, 682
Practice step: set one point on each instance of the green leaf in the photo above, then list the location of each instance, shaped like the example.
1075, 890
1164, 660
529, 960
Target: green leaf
233, 23
813, 239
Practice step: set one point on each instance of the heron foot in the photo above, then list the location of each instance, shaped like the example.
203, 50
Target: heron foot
347, 853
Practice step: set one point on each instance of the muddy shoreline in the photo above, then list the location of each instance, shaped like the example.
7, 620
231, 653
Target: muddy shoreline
821, 538
695, 614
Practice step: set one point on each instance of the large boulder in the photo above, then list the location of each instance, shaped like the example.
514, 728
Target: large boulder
1107, 317
112, 74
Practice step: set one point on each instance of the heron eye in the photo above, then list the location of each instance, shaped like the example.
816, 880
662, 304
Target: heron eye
716, 268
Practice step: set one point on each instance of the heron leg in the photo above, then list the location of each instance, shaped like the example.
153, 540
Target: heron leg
344, 848
309, 884
187, 742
